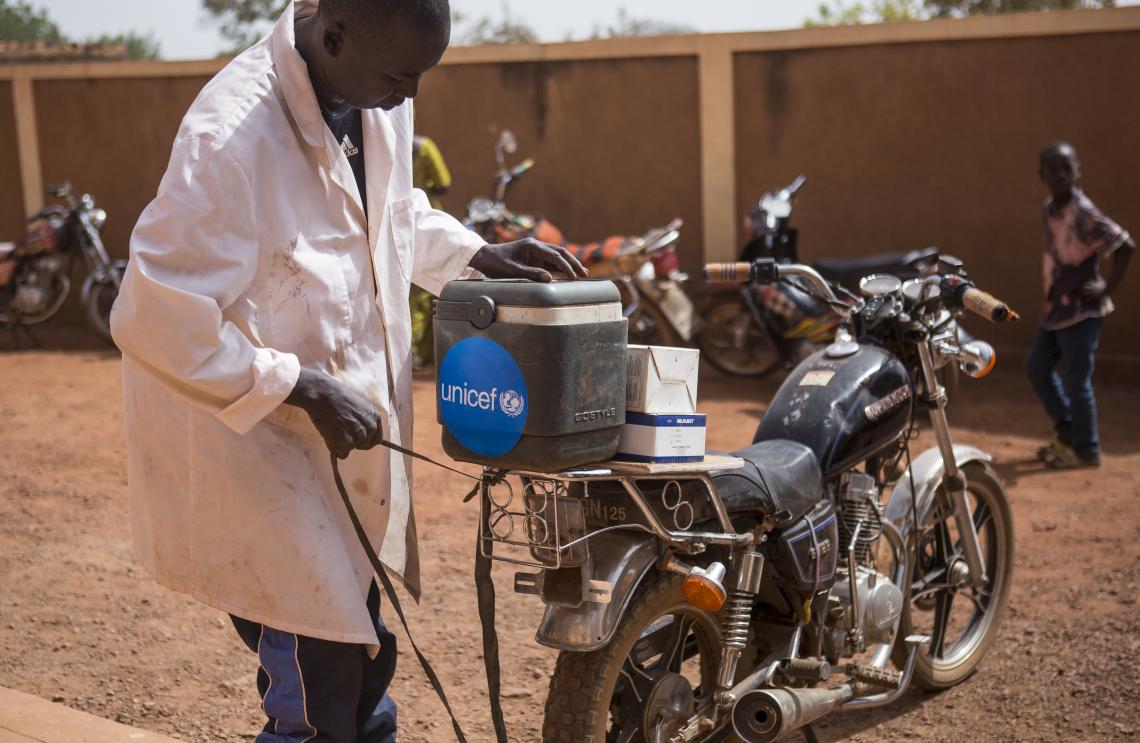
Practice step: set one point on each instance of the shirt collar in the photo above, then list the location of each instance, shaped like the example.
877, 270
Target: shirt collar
294, 74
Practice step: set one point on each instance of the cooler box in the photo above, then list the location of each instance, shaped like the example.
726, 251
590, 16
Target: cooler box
530, 375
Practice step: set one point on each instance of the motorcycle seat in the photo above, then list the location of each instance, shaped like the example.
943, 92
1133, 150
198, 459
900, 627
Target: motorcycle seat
848, 271
780, 478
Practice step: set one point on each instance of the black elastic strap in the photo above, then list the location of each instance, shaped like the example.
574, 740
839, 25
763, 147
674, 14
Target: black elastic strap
395, 601
485, 591
425, 458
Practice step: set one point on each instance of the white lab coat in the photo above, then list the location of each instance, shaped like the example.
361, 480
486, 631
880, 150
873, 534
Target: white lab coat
255, 259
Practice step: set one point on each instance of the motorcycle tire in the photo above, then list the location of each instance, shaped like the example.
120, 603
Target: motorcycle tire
758, 358
100, 298
584, 690
936, 668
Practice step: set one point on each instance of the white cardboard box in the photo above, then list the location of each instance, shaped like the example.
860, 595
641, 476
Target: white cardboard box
662, 438
661, 379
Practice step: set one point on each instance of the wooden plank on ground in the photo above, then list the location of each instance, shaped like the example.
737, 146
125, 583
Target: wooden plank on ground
24, 717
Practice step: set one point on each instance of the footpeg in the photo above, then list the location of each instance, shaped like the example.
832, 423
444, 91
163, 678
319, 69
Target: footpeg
805, 669
887, 678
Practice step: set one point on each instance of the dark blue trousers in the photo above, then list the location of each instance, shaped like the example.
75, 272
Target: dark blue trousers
317, 691
1068, 397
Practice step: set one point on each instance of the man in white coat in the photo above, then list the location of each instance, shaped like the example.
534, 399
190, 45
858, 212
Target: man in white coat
264, 320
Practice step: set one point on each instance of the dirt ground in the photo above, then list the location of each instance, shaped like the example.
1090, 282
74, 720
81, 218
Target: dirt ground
81, 624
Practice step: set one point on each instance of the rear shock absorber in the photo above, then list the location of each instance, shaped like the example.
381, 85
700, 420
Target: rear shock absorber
735, 619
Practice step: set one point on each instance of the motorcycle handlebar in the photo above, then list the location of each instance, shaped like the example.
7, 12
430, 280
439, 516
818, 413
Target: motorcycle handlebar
728, 273
986, 305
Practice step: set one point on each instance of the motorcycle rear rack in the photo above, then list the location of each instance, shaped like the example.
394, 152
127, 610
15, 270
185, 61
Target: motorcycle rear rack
554, 533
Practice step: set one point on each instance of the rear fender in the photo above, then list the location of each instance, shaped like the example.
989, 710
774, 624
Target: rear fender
927, 471
622, 560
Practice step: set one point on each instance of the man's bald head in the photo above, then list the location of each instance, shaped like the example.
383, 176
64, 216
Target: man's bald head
372, 53
374, 15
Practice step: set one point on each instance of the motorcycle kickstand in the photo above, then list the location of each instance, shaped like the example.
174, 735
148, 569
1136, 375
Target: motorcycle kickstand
809, 734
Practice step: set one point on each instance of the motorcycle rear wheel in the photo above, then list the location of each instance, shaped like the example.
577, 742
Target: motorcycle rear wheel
960, 640
732, 341
599, 696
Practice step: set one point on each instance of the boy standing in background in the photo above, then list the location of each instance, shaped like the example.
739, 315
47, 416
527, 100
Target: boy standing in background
1077, 236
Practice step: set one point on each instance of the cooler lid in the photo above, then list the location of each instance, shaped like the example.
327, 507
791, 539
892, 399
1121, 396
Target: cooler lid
523, 293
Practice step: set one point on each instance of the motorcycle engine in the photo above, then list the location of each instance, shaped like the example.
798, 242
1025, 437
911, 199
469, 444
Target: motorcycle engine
877, 601
34, 292
880, 604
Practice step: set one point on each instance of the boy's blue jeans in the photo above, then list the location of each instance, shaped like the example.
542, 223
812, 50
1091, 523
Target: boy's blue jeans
1068, 396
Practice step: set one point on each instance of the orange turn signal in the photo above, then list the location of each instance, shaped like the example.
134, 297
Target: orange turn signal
702, 587
988, 367
983, 359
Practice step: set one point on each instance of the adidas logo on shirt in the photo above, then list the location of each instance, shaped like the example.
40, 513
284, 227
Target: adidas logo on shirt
350, 150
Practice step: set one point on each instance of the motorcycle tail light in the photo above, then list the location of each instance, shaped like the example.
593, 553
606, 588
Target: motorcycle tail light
665, 262
703, 587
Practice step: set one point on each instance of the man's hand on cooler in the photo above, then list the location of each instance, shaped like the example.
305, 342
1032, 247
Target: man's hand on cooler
526, 259
344, 419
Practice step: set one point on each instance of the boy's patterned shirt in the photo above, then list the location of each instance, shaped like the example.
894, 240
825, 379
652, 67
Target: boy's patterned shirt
1076, 236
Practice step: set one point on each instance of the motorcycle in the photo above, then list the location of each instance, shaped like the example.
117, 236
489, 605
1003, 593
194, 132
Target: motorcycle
752, 331
35, 273
645, 269
762, 590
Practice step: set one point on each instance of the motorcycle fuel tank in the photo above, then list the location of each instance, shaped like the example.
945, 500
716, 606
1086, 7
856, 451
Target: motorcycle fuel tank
844, 409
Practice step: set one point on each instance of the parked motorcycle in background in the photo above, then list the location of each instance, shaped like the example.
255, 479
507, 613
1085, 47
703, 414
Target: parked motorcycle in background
645, 268
754, 330
35, 273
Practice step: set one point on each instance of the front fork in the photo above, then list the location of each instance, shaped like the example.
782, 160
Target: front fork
953, 481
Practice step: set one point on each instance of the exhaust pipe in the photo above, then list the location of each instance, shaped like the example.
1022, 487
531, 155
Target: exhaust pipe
764, 715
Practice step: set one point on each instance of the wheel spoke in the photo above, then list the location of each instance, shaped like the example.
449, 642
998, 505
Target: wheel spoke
982, 516
628, 732
673, 653
976, 599
638, 682
929, 582
943, 603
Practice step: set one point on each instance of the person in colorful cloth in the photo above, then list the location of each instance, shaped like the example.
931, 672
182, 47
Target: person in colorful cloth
430, 174
1077, 236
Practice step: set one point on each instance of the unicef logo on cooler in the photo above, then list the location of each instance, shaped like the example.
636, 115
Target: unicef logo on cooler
482, 396
512, 403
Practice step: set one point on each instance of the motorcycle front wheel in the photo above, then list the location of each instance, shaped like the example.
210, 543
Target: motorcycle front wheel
101, 297
732, 341
962, 621
603, 696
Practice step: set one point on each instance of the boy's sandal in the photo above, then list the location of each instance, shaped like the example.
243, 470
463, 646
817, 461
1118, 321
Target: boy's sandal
1064, 458
1050, 450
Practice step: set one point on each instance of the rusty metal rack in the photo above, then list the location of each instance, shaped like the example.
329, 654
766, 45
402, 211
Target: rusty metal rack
541, 518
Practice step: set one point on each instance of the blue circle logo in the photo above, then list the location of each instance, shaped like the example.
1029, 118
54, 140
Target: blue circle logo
482, 396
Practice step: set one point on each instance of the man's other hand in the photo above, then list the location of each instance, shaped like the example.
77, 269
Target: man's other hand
527, 259
344, 418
